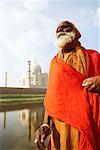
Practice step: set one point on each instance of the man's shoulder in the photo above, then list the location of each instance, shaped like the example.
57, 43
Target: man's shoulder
56, 55
95, 56
93, 52
53, 59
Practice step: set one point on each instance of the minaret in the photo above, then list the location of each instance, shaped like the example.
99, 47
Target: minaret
6, 79
29, 73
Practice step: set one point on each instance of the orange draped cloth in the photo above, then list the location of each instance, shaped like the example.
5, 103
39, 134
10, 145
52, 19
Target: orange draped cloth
68, 101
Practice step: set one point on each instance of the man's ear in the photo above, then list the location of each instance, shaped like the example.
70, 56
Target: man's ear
77, 33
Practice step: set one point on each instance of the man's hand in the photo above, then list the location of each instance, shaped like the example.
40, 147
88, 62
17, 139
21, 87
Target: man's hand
92, 84
41, 135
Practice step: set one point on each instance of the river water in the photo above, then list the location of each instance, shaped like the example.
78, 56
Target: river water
18, 127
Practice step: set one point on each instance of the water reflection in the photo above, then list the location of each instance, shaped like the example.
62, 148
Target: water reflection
17, 128
4, 120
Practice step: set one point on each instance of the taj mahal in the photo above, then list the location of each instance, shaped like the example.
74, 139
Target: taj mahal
34, 77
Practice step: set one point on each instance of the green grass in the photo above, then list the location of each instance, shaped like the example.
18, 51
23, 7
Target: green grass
12, 96
21, 98
9, 101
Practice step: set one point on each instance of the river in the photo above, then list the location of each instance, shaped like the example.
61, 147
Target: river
18, 127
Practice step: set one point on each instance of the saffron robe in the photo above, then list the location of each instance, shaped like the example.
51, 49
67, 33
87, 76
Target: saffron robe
68, 101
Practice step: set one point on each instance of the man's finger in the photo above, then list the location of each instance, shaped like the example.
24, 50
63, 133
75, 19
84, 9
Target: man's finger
43, 138
88, 86
35, 141
91, 87
87, 82
40, 146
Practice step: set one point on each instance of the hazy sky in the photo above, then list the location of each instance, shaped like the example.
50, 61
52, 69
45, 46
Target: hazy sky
27, 31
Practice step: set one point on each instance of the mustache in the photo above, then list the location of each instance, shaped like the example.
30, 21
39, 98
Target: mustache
62, 33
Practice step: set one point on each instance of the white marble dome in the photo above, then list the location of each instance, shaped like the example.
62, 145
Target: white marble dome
36, 68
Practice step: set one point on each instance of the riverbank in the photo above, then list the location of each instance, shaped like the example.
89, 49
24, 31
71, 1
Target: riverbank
15, 101
17, 90
13, 98
13, 95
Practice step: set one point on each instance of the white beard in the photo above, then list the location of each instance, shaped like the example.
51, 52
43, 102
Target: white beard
65, 39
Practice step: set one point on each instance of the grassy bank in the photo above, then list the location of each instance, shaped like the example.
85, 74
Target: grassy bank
22, 98
11, 96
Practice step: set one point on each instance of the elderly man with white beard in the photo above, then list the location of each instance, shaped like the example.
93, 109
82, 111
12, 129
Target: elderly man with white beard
72, 101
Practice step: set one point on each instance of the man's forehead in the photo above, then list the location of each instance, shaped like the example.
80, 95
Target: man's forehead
64, 23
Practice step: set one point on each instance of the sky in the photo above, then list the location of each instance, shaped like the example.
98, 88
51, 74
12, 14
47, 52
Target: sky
27, 32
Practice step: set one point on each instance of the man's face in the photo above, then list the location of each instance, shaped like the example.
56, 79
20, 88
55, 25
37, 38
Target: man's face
63, 28
65, 34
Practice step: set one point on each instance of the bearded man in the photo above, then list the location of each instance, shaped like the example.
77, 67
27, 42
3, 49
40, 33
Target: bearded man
72, 101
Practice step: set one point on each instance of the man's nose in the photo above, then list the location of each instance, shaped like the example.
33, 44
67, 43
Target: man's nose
60, 29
